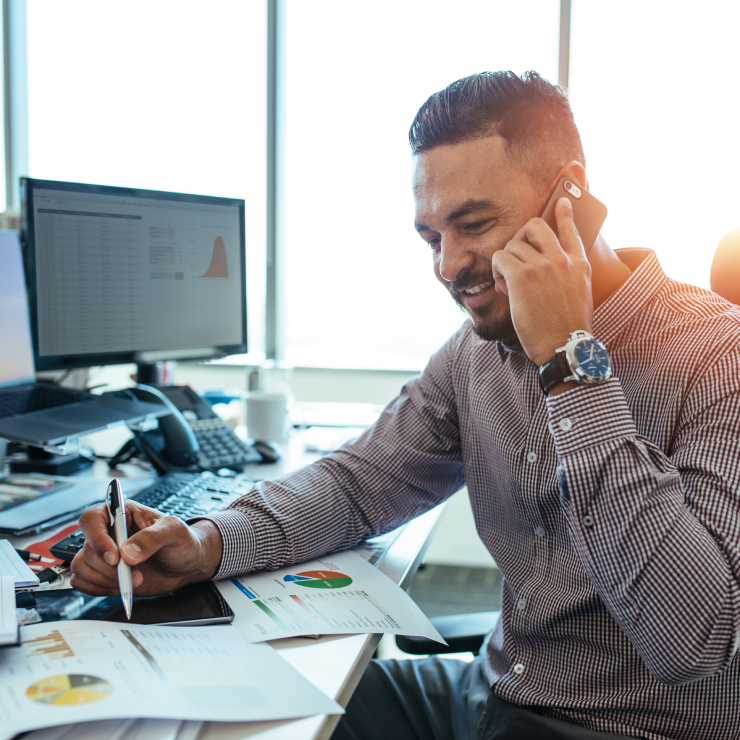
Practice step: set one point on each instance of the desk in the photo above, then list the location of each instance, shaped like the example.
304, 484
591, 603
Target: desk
334, 664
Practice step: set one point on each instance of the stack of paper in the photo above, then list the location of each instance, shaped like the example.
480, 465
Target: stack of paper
113, 729
102, 674
69, 672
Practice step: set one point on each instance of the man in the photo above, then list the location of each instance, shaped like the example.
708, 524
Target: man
611, 507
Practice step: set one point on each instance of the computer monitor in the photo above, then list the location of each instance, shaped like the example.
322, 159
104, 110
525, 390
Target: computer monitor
118, 275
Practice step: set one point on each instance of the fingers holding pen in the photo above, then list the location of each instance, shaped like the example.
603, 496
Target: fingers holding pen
95, 523
89, 570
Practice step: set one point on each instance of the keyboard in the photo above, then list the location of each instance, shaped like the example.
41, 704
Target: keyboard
184, 495
220, 447
28, 398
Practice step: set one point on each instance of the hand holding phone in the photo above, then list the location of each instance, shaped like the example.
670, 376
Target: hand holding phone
546, 275
589, 213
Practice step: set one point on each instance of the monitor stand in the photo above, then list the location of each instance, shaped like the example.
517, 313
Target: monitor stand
155, 373
41, 461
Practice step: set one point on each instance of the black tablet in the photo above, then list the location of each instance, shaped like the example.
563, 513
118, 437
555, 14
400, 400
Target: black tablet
199, 604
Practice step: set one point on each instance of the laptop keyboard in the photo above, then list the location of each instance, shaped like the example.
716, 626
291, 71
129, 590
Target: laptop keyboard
30, 398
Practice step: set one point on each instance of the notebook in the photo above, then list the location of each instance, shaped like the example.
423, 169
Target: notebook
13, 566
8, 622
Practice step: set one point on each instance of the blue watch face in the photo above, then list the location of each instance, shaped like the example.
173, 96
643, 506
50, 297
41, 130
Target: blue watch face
592, 359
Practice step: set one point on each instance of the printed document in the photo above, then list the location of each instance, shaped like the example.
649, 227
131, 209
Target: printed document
116, 729
67, 672
337, 595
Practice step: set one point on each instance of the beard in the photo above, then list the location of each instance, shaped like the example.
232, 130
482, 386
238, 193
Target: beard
493, 323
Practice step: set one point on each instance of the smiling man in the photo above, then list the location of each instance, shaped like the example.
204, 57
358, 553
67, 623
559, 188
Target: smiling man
608, 498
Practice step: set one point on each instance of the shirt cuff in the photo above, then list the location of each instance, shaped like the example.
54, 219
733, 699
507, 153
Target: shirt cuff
237, 535
586, 416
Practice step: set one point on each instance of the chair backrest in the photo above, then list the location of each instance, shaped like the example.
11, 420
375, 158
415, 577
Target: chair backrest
725, 275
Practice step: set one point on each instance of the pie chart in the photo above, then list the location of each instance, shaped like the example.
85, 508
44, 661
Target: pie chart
319, 579
67, 689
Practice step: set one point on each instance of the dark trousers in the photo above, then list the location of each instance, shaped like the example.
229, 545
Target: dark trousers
440, 699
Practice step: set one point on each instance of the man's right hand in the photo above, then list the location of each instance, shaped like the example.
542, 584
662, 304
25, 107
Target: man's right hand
164, 552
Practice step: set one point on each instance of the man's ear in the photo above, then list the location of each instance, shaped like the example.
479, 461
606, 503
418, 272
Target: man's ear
571, 169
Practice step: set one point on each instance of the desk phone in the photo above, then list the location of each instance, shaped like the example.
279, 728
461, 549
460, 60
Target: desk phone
191, 438
219, 445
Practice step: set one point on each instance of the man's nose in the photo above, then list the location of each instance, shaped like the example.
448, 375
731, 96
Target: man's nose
454, 259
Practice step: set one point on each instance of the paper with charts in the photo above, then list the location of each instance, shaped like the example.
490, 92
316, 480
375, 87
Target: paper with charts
65, 672
340, 594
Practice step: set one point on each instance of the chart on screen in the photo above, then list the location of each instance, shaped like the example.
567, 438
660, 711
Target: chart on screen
219, 267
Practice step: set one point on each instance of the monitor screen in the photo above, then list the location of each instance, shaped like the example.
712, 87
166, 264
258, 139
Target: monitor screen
121, 275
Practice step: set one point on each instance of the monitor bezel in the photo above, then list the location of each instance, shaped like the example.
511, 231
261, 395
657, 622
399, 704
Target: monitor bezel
28, 242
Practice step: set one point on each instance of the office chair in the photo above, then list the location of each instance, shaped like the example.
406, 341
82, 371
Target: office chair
462, 632
466, 632
724, 276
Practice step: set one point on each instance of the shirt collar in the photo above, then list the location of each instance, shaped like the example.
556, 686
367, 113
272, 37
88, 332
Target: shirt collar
624, 304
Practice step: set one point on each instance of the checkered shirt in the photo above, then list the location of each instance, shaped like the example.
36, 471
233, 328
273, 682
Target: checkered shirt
612, 511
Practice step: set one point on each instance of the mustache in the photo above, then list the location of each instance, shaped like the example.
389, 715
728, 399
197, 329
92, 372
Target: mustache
456, 287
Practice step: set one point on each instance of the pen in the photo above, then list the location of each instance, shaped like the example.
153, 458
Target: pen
114, 499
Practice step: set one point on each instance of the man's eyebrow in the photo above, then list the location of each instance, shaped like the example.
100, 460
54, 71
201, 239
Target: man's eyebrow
469, 206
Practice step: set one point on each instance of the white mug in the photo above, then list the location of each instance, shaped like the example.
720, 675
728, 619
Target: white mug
267, 417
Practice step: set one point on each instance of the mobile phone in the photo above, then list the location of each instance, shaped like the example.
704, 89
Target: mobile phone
588, 213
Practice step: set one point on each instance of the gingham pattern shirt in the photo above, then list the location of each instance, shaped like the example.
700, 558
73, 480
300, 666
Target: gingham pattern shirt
612, 511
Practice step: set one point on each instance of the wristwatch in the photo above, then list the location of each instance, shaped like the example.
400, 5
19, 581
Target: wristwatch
583, 359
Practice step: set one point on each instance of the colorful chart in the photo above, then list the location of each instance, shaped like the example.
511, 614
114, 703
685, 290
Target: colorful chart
69, 689
219, 267
320, 579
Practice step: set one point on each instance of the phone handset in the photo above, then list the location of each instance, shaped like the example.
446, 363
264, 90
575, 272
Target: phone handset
589, 213
173, 446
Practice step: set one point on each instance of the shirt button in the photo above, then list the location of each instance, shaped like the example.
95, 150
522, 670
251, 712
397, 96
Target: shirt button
521, 604
531, 457
566, 425
539, 531
588, 520
518, 669
549, 426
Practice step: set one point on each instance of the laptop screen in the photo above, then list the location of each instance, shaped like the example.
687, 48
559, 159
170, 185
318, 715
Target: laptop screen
16, 357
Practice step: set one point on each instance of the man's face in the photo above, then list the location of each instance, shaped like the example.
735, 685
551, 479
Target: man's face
470, 202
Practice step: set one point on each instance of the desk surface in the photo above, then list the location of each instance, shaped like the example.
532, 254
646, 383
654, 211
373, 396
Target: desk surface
333, 663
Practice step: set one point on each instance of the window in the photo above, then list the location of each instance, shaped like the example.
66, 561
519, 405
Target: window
359, 286
654, 89
165, 96
172, 95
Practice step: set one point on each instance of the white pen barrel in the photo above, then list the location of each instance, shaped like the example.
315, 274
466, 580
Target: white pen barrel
124, 569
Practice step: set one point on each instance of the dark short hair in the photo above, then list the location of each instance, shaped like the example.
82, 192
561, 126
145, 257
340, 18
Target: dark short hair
530, 113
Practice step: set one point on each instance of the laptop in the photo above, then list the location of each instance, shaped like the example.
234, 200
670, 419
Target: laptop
44, 414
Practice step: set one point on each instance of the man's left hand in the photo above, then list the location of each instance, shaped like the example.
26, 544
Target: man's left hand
548, 282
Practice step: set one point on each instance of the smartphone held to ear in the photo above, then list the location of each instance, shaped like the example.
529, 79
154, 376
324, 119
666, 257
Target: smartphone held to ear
588, 213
